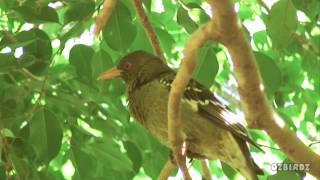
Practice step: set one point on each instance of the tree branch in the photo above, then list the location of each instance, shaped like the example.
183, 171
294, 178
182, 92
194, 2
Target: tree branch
181, 80
205, 170
166, 170
148, 29
224, 28
257, 110
104, 15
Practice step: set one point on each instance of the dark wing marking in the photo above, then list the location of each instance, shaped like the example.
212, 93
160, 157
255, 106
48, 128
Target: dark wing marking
210, 107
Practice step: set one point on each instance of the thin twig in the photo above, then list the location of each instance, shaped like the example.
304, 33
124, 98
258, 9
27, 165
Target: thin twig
34, 107
264, 5
205, 169
166, 170
28, 74
306, 44
104, 15
5, 151
311, 144
262, 145
11, 77
148, 28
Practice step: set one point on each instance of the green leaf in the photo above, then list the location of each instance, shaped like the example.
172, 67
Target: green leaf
45, 135
20, 166
108, 127
116, 109
228, 170
260, 40
109, 153
21, 148
152, 165
291, 71
299, 172
147, 4
310, 97
101, 60
185, 20
7, 63
80, 57
311, 64
166, 40
67, 33
2, 172
311, 8
245, 12
33, 14
41, 49
10, 41
284, 176
282, 22
85, 164
207, 67
270, 72
79, 10
8, 4
197, 13
134, 154
137, 134
120, 32
141, 42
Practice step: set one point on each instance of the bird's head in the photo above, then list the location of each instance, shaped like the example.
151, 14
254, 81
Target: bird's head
136, 68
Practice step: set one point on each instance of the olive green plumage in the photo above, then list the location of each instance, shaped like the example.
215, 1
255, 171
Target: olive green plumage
208, 126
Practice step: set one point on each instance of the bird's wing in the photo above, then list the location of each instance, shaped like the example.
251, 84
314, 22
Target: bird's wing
210, 107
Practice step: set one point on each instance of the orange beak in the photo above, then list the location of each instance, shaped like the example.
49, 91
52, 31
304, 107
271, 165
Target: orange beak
110, 73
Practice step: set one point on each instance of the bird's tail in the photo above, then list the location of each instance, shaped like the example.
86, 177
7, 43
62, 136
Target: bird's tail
251, 172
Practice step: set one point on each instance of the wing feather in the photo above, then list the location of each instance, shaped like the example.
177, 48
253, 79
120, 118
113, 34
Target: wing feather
211, 108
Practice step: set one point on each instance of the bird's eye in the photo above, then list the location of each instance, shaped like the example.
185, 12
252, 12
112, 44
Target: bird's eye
127, 65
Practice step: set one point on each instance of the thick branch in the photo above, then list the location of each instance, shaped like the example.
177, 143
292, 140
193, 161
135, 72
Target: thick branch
104, 15
177, 88
226, 30
148, 28
254, 102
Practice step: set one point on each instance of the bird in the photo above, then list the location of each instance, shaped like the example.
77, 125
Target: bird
211, 131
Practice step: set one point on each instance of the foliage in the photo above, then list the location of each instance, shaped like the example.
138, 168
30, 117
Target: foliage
58, 122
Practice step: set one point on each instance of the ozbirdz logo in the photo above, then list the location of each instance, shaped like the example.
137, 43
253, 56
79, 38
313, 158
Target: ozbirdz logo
290, 167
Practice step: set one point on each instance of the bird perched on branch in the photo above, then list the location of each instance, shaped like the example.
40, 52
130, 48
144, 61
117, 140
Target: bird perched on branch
209, 128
